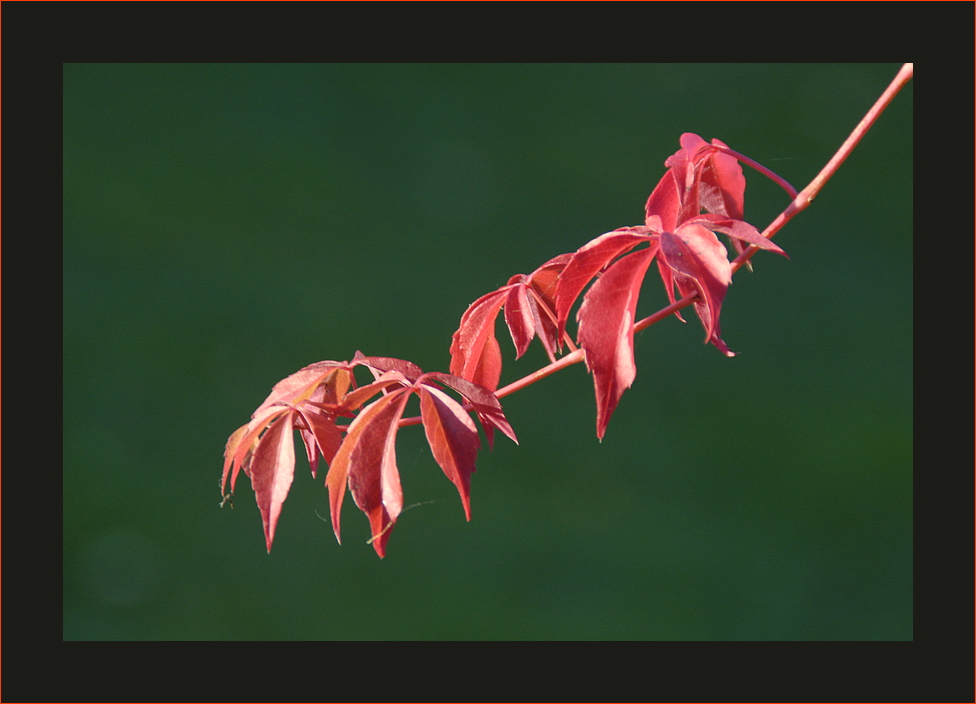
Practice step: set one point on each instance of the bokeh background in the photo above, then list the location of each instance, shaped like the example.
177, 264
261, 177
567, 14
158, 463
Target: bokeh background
225, 225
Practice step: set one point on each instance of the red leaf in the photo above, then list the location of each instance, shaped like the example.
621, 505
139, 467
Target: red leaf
453, 439
606, 330
488, 371
316, 409
544, 279
319, 385
544, 321
230, 452
723, 186
474, 348
699, 176
664, 202
484, 402
541, 285
696, 251
326, 435
518, 315
529, 311
701, 264
736, 230
313, 390
379, 365
272, 469
667, 276
366, 461
298, 386
355, 399
245, 441
588, 261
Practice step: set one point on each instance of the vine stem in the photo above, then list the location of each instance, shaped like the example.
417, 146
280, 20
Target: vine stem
805, 197
802, 200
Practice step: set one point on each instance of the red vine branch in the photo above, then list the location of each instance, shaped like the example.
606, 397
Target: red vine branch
700, 196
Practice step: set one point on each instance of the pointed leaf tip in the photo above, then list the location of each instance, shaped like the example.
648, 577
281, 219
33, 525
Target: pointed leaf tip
272, 470
366, 462
453, 439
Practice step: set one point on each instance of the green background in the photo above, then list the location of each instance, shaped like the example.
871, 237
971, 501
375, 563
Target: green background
225, 225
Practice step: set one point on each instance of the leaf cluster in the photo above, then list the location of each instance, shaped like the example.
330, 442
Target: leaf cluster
353, 428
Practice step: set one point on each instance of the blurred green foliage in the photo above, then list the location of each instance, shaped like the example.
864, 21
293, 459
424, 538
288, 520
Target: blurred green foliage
225, 225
